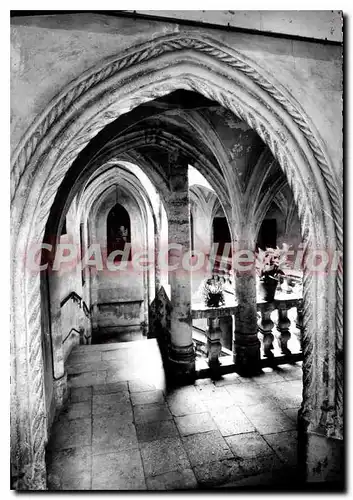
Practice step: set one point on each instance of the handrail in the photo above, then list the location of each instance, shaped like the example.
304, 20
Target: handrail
68, 335
200, 336
76, 298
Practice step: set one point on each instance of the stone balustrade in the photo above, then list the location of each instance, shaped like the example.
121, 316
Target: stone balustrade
278, 321
213, 332
284, 325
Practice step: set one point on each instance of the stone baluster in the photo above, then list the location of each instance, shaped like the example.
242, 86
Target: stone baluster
214, 345
266, 325
299, 322
283, 326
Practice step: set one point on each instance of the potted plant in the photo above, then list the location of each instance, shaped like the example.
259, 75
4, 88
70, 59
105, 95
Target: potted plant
213, 292
271, 275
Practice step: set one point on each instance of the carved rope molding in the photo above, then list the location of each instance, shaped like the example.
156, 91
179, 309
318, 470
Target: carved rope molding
61, 104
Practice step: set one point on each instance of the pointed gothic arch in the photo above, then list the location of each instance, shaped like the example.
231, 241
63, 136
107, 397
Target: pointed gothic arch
117, 86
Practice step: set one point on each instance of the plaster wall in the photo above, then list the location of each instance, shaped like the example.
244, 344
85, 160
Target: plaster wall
324, 25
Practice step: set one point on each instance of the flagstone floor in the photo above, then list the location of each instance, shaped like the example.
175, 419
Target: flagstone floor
124, 429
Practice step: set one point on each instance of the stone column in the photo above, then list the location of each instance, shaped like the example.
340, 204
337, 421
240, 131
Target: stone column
246, 347
182, 354
214, 345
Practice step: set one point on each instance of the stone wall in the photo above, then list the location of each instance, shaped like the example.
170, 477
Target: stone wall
47, 52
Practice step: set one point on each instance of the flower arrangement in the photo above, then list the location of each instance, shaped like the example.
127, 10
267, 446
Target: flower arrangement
269, 271
213, 292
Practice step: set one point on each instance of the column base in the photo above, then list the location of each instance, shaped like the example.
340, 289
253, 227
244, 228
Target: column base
246, 355
181, 365
321, 459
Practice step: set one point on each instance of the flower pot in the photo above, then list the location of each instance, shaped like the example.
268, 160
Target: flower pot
214, 299
268, 289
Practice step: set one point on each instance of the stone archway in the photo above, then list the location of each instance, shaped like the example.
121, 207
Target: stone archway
100, 96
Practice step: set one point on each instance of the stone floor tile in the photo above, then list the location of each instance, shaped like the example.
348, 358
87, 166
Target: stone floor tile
174, 480
151, 413
141, 386
281, 480
147, 397
79, 394
291, 372
116, 403
69, 469
249, 445
80, 348
288, 394
292, 413
228, 379
213, 474
151, 431
184, 402
232, 421
115, 355
78, 410
210, 391
83, 356
267, 420
90, 366
70, 434
111, 433
105, 398
163, 456
118, 471
202, 382
86, 379
260, 464
181, 393
121, 374
268, 376
285, 444
110, 388
194, 423
218, 405
206, 447
247, 394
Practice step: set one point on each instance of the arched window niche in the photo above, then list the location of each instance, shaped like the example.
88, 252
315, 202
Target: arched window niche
118, 231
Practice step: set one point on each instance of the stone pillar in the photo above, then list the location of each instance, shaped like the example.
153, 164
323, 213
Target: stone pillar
214, 345
182, 354
321, 459
246, 347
